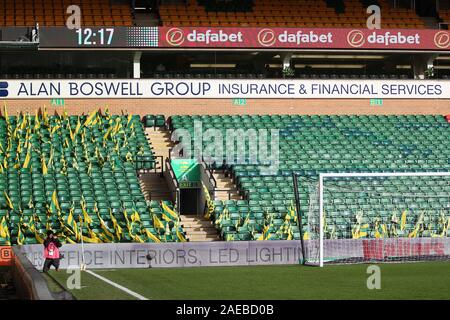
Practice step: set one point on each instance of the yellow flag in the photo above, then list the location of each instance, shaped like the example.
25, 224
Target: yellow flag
105, 137
72, 136
117, 227
90, 118
135, 216
73, 227
69, 240
403, 220
8, 201
180, 236
55, 204
152, 236
38, 237
126, 219
117, 126
168, 214
23, 125
87, 218
45, 115
19, 148
4, 232
91, 240
5, 112
27, 160
37, 124
44, 167
94, 236
106, 230
77, 128
377, 231
20, 236
138, 239
306, 235
157, 223
290, 235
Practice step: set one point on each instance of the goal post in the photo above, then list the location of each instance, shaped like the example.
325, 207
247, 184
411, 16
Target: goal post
376, 217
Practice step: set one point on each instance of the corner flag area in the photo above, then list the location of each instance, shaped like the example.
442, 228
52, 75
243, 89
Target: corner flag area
398, 281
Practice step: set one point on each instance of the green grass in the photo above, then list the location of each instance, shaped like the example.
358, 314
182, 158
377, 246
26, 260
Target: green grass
52, 284
398, 281
91, 287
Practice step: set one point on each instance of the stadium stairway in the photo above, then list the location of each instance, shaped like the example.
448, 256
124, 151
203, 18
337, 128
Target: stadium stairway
153, 185
198, 228
159, 137
225, 189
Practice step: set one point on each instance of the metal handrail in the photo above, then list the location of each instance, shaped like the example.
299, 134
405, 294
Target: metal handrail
244, 193
209, 172
172, 175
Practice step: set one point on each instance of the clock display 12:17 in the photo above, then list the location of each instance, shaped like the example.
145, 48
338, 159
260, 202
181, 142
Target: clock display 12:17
89, 37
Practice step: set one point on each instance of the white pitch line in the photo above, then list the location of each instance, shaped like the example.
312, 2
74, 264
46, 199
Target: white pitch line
118, 286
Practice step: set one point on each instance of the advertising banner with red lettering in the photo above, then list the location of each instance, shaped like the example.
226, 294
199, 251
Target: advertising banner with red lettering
303, 38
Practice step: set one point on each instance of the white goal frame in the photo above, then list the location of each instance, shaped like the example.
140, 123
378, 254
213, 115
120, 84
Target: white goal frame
323, 176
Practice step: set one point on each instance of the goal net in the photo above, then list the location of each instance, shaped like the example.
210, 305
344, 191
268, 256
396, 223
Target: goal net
375, 217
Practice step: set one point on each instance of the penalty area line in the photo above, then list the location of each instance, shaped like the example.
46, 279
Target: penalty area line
118, 286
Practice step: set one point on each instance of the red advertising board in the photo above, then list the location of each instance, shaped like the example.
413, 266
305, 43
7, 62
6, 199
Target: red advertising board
303, 38
380, 249
6, 256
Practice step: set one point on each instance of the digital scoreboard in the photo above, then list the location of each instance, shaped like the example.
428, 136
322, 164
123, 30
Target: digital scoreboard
213, 38
98, 37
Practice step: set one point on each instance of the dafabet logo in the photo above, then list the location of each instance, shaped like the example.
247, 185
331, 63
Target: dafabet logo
3, 89
175, 37
266, 37
442, 39
356, 38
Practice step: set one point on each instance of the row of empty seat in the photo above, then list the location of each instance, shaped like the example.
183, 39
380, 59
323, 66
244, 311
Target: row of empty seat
55, 170
54, 13
266, 13
309, 145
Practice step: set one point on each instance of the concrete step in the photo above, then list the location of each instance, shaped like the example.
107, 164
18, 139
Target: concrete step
159, 139
191, 224
204, 239
193, 217
197, 228
154, 187
230, 190
200, 233
194, 224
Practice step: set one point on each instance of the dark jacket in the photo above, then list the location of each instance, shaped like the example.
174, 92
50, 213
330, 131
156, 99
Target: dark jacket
48, 240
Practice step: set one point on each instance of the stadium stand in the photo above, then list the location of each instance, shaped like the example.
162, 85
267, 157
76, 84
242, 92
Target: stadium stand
63, 172
53, 13
444, 16
60, 73
313, 144
292, 13
299, 74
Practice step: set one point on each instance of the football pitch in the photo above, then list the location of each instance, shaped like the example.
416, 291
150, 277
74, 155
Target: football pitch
430, 280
